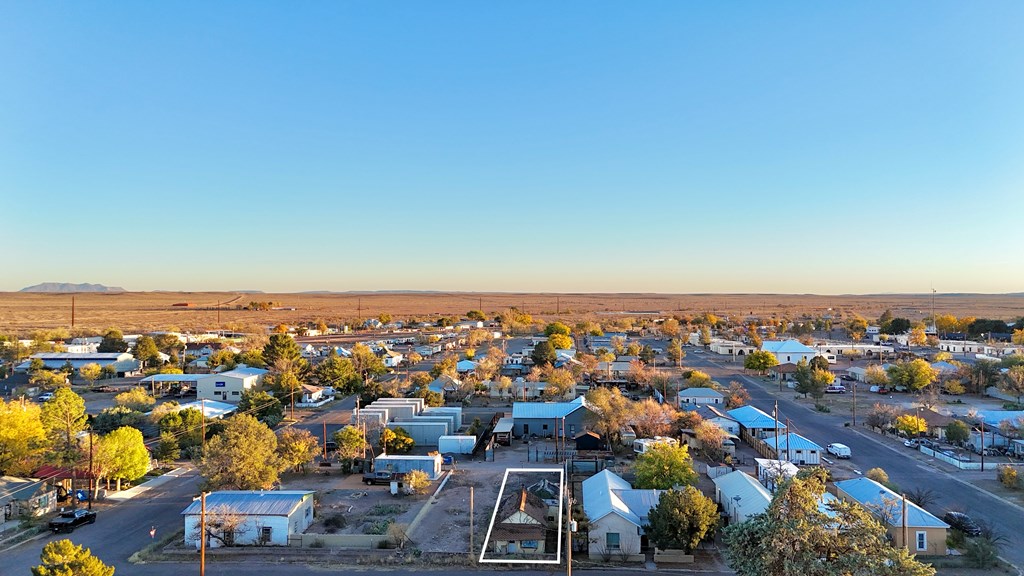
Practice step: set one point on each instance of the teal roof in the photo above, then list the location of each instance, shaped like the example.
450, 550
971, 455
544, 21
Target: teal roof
874, 497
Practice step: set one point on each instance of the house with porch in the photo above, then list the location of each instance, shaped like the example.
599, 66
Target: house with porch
755, 424
926, 534
696, 396
617, 513
521, 525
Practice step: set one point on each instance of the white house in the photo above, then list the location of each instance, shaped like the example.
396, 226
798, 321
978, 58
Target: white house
789, 351
123, 362
228, 386
730, 347
391, 358
720, 418
617, 514
741, 496
697, 396
243, 517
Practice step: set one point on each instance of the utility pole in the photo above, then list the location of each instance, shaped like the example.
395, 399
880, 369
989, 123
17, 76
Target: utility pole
72, 311
568, 534
203, 401
906, 542
92, 487
854, 385
775, 416
325, 439
789, 437
982, 444
470, 522
202, 534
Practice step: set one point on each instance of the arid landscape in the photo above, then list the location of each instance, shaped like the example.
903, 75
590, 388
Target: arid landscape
162, 310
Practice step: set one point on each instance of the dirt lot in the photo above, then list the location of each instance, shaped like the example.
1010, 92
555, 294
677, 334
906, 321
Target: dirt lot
135, 311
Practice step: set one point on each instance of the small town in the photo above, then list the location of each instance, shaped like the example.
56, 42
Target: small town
583, 287
658, 441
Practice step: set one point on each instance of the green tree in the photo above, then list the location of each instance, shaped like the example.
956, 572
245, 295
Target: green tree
682, 519
819, 363
48, 379
137, 399
914, 375
896, 326
281, 349
242, 457
705, 336
798, 535
90, 372
146, 351
560, 342
543, 354
222, 358
126, 453
476, 315
760, 361
110, 419
804, 377
430, 398
185, 424
338, 373
297, 448
262, 405
957, 432
64, 558
167, 449
22, 438
664, 466
350, 442
63, 417
395, 441
113, 341
557, 328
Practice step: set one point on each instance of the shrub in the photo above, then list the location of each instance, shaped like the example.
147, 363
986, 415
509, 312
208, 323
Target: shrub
822, 408
417, 482
334, 522
378, 528
1009, 476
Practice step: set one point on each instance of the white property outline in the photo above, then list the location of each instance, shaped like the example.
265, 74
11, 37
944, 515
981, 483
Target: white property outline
494, 515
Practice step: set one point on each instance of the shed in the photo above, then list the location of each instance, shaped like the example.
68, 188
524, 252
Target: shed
407, 463
741, 496
588, 440
456, 444
503, 431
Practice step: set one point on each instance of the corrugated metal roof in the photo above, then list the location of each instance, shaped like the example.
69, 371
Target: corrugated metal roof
606, 493
875, 497
700, 393
546, 410
751, 417
792, 441
252, 503
754, 498
174, 378
243, 372
786, 347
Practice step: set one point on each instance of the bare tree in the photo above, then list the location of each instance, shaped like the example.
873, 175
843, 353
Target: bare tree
222, 525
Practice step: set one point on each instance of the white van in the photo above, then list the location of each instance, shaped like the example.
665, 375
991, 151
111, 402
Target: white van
642, 445
839, 450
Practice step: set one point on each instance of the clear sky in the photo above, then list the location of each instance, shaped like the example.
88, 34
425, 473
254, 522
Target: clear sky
541, 146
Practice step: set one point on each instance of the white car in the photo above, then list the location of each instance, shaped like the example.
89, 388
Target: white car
839, 450
45, 397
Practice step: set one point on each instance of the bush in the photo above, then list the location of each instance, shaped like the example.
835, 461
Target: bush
378, 528
417, 482
335, 522
822, 408
981, 552
1009, 476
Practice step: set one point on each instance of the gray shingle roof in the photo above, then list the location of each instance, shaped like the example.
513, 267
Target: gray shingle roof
252, 503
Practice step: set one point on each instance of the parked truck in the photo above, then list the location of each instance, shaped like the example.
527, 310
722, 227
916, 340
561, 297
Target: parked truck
839, 450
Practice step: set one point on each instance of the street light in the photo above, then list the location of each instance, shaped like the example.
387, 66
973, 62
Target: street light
736, 507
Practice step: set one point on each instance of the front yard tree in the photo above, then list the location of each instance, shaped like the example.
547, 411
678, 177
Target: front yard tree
283, 347
957, 432
797, 535
760, 361
65, 558
819, 363
664, 466
365, 362
22, 438
610, 412
126, 454
820, 380
914, 375
262, 405
113, 341
146, 351
338, 373
350, 442
682, 519
63, 418
875, 375
911, 425
543, 354
242, 457
297, 448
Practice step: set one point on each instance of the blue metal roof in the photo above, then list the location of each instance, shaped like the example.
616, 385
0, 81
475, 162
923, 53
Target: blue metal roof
786, 347
875, 497
546, 410
751, 417
792, 441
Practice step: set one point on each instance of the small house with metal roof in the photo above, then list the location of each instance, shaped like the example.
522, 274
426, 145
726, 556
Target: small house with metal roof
741, 496
755, 424
553, 419
617, 513
249, 517
229, 386
926, 533
794, 448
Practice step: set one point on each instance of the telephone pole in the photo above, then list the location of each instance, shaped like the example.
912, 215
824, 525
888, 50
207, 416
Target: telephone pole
202, 534
203, 416
471, 522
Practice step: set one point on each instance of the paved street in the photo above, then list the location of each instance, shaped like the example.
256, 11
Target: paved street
952, 488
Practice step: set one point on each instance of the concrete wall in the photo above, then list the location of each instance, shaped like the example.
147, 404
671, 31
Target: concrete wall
361, 541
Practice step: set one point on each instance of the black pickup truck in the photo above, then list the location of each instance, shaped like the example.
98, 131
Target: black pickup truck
371, 478
68, 521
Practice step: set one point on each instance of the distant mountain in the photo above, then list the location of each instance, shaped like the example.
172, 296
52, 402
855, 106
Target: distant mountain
68, 287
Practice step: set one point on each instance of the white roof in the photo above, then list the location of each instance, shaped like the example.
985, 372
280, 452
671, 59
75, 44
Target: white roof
605, 493
701, 393
754, 497
786, 347
244, 372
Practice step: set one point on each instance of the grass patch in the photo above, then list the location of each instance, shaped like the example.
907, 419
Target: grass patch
387, 510
378, 528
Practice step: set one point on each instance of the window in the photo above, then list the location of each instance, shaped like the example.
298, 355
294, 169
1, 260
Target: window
528, 544
611, 541
265, 534
234, 392
922, 540
545, 427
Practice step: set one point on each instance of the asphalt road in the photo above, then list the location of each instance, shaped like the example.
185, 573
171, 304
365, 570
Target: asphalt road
953, 489
336, 417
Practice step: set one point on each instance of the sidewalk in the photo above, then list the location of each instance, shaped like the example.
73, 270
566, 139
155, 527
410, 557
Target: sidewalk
134, 491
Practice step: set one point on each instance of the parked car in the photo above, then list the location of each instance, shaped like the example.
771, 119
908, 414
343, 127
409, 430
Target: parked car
45, 397
962, 522
835, 389
68, 521
911, 443
879, 389
839, 450
386, 477
331, 446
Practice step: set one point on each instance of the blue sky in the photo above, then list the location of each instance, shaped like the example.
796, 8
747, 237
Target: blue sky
537, 146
